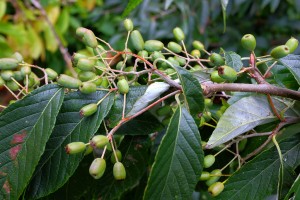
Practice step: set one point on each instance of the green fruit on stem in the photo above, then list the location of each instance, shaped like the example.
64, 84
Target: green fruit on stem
144, 54
137, 40
214, 76
68, 81
51, 73
204, 176
208, 102
173, 61
8, 63
99, 141
18, 76
99, 51
105, 83
25, 70
180, 60
242, 144
196, 68
86, 76
292, 43
178, 34
128, 24
97, 168
216, 188
196, 53
119, 171
119, 156
88, 87
214, 177
130, 69
76, 57
88, 110
280, 51
85, 64
153, 45
209, 160
198, 45
18, 57
98, 81
216, 59
12, 85
7, 75
248, 42
163, 111
80, 31
89, 39
173, 46
155, 55
75, 147
2, 82
227, 73
123, 86
127, 55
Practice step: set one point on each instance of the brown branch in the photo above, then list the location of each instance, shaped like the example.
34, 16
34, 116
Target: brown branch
210, 88
64, 51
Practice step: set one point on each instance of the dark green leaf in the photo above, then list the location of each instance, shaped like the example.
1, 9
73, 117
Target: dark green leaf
135, 150
292, 62
130, 6
258, 178
192, 92
141, 125
178, 162
295, 190
70, 127
233, 60
25, 127
244, 115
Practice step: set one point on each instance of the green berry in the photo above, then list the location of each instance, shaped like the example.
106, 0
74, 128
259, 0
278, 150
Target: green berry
178, 34
123, 86
173, 61
208, 102
207, 116
85, 64
119, 171
248, 42
128, 24
180, 60
80, 31
12, 85
155, 55
130, 69
214, 177
176, 48
76, 57
242, 144
68, 81
18, 57
30, 82
196, 53
25, 70
198, 45
227, 73
8, 63
144, 54
88, 110
280, 51
7, 75
2, 82
89, 39
97, 168
51, 74
99, 51
196, 68
209, 160
204, 176
216, 59
18, 76
119, 156
98, 81
214, 76
216, 188
75, 147
88, 87
99, 141
153, 45
86, 76
137, 40
89, 149
105, 83
163, 111
292, 43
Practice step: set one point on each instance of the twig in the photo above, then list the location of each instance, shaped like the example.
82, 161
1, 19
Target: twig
63, 50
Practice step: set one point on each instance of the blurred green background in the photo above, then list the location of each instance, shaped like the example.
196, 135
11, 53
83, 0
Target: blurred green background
24, 29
